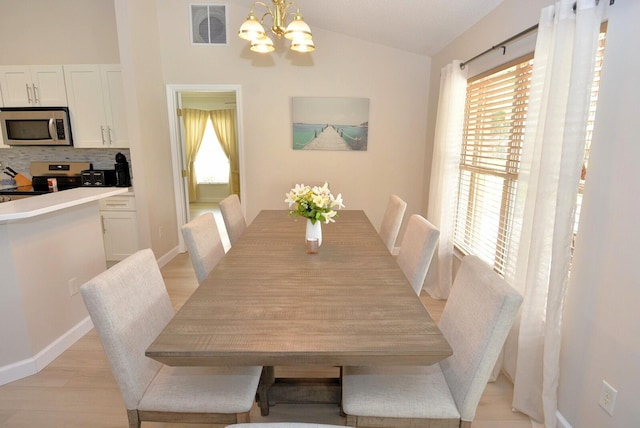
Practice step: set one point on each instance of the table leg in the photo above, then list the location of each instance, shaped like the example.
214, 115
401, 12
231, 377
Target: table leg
267, 378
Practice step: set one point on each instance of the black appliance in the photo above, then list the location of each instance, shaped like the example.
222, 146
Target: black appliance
123, 176
67, 175
99, 177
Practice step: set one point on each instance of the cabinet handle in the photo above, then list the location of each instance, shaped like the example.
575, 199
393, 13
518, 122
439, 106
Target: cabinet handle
102, 134
109, 135
104, 231
116, 204
35, 94
29, 94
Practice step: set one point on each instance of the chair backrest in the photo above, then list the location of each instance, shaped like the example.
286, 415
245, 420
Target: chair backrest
203, 243
475, 321
418, 245
233, 217
129, 306
392, 221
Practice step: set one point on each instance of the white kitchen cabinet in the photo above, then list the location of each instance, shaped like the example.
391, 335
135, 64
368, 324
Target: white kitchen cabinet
33, 86
119, 226
96, 104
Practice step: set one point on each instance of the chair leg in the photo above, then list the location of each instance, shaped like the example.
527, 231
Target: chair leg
134, 419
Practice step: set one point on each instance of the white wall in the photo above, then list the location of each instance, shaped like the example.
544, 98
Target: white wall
58, 32
395, 82
602, 316
600, 333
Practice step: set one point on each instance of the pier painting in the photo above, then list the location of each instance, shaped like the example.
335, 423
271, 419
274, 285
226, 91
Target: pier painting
321, 123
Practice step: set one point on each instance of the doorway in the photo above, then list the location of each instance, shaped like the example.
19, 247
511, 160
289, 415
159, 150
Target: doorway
204, 196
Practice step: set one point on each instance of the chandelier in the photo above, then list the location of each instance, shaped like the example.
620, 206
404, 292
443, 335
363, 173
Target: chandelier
295, 30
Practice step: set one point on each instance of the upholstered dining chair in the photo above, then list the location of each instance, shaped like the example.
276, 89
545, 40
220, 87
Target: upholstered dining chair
203, 243
129, 306
418, 245
233, 217
392, 221
475, 321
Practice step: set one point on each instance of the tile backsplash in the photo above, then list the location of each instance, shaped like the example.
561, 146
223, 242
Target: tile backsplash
20, 158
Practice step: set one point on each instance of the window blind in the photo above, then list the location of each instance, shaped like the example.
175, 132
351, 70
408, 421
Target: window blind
495, 120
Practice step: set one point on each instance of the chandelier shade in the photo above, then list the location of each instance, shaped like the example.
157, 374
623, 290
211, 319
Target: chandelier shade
291, 25
251, 29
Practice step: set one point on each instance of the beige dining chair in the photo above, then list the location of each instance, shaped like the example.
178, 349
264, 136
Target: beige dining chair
203, 242
391, 222
129, 306
475, 321
233, 217
416, 251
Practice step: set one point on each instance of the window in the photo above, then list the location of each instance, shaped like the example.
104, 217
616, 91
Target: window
495, 120
495, 115
590, 122
211, 164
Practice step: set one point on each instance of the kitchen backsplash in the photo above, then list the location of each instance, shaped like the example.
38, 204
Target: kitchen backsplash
20, 158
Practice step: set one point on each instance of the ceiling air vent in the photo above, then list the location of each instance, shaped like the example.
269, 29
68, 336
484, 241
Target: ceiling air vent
209, 24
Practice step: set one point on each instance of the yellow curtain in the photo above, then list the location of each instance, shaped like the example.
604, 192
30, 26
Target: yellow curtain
224, 123
195, 122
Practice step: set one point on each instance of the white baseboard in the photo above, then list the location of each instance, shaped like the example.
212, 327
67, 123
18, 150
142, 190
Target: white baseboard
42, 359
168, 257
561, 421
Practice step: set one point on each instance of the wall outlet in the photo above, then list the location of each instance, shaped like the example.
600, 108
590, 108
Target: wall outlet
73, 287
607, 397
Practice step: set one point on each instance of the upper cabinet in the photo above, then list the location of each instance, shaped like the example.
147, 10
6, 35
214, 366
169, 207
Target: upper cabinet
96, 105
33, 86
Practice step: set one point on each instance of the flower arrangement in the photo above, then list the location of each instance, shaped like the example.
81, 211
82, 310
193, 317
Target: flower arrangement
315, 203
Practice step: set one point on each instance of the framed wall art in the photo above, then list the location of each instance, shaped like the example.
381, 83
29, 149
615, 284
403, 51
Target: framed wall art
324, 123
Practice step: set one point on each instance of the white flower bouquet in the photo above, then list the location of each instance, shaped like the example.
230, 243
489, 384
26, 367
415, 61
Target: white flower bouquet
315, 203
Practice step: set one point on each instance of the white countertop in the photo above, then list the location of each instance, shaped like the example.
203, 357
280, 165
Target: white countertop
38, 205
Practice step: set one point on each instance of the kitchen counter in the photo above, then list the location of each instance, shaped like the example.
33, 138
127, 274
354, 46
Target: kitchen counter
49, 246
50, 202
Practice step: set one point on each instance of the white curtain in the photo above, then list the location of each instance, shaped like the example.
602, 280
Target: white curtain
443, 187
552, 157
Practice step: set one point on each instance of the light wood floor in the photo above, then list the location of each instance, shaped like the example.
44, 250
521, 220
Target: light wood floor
77, 390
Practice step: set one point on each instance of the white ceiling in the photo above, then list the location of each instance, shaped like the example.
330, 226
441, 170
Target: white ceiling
420, 26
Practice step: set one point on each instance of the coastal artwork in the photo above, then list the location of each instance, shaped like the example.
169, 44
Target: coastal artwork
324, 123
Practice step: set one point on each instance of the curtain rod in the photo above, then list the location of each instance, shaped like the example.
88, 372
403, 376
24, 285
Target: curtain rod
503, 43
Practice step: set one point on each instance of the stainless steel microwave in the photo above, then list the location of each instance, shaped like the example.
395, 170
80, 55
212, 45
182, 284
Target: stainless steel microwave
36, 126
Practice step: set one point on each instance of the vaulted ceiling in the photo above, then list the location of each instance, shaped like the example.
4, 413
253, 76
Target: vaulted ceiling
420, 26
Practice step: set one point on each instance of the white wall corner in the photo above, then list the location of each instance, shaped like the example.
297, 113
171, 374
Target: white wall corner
31, 366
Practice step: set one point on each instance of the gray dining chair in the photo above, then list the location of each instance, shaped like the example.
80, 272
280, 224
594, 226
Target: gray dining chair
129, 306
416, 251
203, 242
391, 222
475, 321
233, 217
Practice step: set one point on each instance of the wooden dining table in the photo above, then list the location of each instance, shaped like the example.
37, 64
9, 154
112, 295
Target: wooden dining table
269, 303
